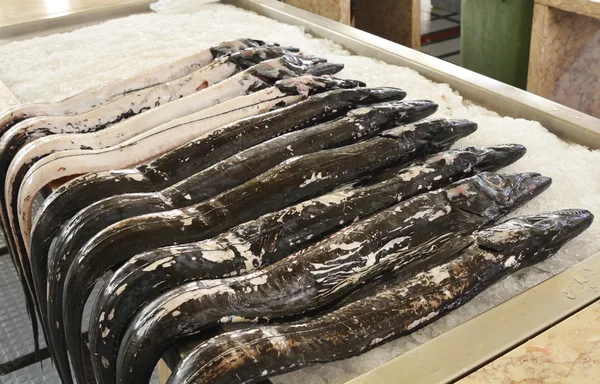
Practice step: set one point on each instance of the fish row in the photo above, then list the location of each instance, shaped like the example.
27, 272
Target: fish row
40, 142
246, 185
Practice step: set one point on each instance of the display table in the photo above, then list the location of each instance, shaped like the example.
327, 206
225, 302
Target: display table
564, 62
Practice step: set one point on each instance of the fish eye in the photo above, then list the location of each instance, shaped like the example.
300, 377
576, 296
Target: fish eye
496, 181
546, 223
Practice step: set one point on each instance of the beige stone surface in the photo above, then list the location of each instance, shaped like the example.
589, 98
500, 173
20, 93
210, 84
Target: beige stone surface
567, 353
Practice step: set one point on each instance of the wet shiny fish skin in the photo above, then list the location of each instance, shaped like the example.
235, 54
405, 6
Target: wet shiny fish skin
318, 275
393, 309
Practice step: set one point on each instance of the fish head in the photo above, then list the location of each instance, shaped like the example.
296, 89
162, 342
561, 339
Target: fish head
490, 195
391, 113
482, 159
288, 66
435, 134
232, 46
533, 238
249, 43
495, 157
377, 95
308, 85
250, 57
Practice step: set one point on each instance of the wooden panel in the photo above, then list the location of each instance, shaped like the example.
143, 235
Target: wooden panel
395, 20
564, 60
338, 10
582, 7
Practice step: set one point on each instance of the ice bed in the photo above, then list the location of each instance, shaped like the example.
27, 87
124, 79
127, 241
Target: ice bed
562, 143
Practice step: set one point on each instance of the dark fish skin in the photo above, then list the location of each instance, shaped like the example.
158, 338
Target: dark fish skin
357, 125
262, 73
269, 239
81, 192
22, 112
240, 59
135, 104
295, 179
402, 306
286, 66
320, 274
169, 168
157, 172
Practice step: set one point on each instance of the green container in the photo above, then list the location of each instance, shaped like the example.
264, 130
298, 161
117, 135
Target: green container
495, 37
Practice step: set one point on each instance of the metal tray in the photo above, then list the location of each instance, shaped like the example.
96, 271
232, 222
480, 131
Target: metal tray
466, 347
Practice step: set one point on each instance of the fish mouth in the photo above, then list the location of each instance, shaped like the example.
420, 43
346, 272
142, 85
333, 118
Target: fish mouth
560, 226
399, 113
517, 188
439, 133
495, 157
381, 94
322, 68
537, 236
258, 43
310, 65
506, 191
249, 57
421, 109
449, 131
310, 85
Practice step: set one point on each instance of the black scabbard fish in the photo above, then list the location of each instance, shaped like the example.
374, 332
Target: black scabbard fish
395, 309
38, 163
359, 124
320, 274
34, 139
204, 151
192, 158
102, 95
105, 93
170, 169
143, 147
269, 238
189, 159
293, 180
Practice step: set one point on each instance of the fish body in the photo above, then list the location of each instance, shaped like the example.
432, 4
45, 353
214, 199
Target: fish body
359, 124
188, 159
193, 157
295, 179
33, 139
147, 145
105, 93
269, 238
394, 309
318, 275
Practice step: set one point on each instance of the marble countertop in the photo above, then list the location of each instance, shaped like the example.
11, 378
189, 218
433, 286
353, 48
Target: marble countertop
569, 352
